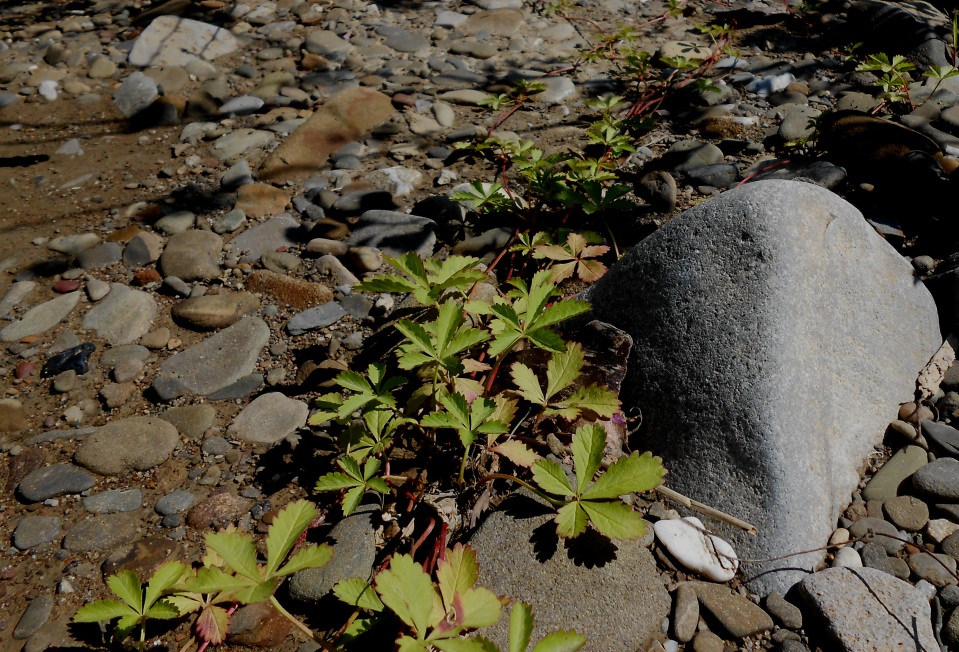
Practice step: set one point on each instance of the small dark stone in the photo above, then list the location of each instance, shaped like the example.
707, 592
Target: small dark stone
76, 359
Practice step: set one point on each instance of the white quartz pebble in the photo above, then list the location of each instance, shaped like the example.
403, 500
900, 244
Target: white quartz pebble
847, 558
689, 542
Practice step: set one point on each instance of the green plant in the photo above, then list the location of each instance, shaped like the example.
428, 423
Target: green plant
893, 78
137, 604
440, 615
429, 281
355, 480
230, 574
585, 502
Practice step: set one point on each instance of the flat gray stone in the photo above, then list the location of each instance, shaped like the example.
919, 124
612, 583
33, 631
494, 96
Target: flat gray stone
216, 362
136, 94
747, 312
354, 552
939, 479
54, 480
15, 294
269, 418
33, 531
739, 616
114, 501
125, 445
520, 556
865, 610
104, 532
192, 255
314, 318
894, 473
34, 617
232, 146
175, 41
41, 318
124, 316
269, 236
394, 233
192, 421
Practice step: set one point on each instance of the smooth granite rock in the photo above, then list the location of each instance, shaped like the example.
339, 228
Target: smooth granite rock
216, 362
123, 317
125, 445
520, 556
864, 610
41, 318
747, 313
176, 41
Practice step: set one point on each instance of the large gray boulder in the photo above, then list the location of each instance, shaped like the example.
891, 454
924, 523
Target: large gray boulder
775, 334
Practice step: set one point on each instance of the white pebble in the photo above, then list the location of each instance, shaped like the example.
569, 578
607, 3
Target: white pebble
689, 542
847, 558
48, 90
940, 528
839, 537
927, 589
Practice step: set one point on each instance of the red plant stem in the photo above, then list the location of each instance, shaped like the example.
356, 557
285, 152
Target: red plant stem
422, 538
766, 168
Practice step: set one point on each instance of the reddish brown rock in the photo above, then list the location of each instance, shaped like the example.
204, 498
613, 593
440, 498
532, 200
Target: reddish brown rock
294, 292
21, 466
258, 200
63, 286
146, 276
24, 370
218, 511
143, 557
343, 119
259, 625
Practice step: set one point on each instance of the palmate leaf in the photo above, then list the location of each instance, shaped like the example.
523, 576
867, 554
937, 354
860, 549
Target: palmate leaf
457, 572
632, 474
103, 610
516, 452
563, 641
185, 604
474, 608
406, 589
237, 550
126, 586
426, 280
573, 257
292, 521
593, 398
614, 519
213, 624
334, 482
255, 592
587, 447
356, 592
165, 577
571, 520
315, 556
473, 644
162, 610
550, 477
520, 627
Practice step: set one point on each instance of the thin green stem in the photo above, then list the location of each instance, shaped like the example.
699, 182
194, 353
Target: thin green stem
466, 456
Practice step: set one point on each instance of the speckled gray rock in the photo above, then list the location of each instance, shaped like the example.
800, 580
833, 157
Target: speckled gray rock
131, 444
177, 41
939, 479
865, 610
746, 313
354, 551
314, 318
136, 94
217, 362
41, 318
276, 232
35, 530
54, 480
34, 617
269, 418
124, 316
520, 556
114, 501
104, 532
192, 255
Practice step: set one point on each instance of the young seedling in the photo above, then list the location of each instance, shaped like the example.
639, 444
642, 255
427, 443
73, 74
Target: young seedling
428, 280
469, 420
573, 258
355, 480
893, 79
368, 392
136, 606
597, 503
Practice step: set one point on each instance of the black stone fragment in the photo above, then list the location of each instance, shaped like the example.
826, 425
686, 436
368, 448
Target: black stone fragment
76, 358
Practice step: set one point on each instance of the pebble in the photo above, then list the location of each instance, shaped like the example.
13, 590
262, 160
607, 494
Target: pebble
689, 542
41, 318
315, 318
102, 532
191, 421
881, 532
125, 445
937, 569
34, 617
135, 95
214, 311
218, 511
274, 234
887, 482
354, 545
786, 613
124, 316
75, 359
847, 558
33, 531
269, 418
177, 502
737, 615
685, 613
176, 41
176, 222
54, 480
114, 501
687, 155
215, 363
192, 255
907, 513
294, 292
939, 479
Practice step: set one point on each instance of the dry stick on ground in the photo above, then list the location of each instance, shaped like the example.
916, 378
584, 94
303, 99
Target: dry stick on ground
675, 496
